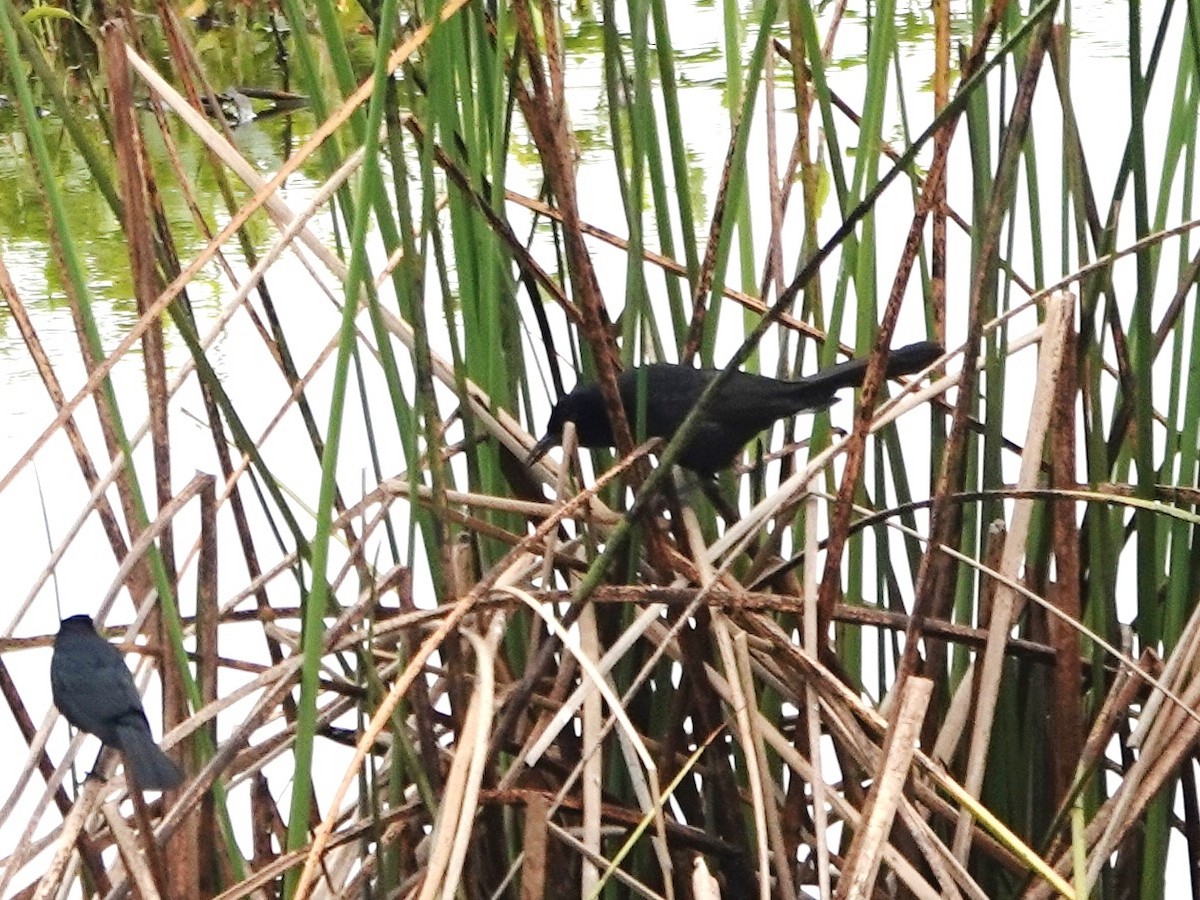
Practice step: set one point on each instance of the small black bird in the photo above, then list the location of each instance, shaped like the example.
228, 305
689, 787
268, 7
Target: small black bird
94, 690
743, 406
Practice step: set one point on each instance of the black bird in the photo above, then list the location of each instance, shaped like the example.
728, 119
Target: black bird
743, 406
94, 690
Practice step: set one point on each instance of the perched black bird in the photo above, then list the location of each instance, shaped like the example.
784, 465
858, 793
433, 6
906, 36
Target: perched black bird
743, 406
94, 690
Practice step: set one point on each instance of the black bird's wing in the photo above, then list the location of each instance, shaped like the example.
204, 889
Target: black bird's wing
92, 686
753, 402
670, 393
745, 405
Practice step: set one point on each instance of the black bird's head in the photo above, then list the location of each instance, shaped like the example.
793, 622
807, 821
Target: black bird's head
585, 407
79, 624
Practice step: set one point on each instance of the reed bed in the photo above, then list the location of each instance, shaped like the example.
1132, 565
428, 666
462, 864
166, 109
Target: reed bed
938, 646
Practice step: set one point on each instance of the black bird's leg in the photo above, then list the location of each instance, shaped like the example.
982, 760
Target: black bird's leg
98, 766
711, 489
674, 504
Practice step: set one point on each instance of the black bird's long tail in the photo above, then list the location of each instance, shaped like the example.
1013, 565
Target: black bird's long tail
153, 769
902, 361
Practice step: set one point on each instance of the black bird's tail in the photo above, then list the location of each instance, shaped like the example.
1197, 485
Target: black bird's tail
902, 361
152, 769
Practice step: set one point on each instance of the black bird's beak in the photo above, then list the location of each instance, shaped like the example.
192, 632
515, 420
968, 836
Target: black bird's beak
542, 447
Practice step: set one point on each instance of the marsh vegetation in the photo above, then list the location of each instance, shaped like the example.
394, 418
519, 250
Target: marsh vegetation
936, 642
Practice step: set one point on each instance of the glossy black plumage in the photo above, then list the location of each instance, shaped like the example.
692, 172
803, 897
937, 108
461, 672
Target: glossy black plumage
95, 691
743, 406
